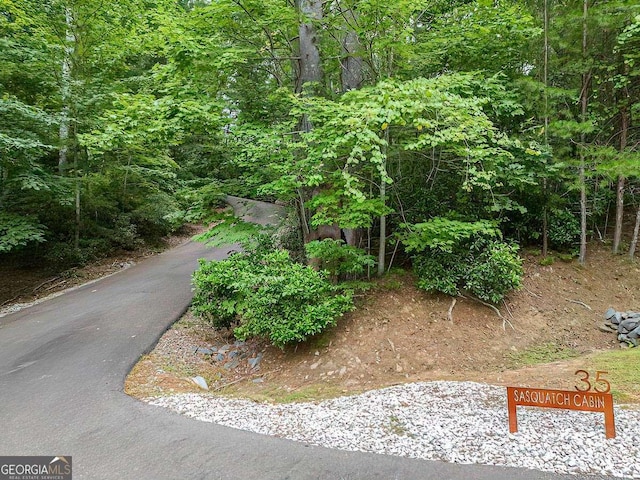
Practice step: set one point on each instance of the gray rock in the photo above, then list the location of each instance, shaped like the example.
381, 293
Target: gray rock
201, 382
634, 334
239, 343
219, 357
255, 362
204, 351
607, 328
258, 380
630, 324
232, 364
617, 318
224, 349
234, 353
609, 313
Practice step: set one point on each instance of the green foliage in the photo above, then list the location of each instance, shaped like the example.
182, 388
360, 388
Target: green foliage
452, 256
227, 229
267, 295
495, 270
17, 232
445, 235
338, 258
199, 203
564, 229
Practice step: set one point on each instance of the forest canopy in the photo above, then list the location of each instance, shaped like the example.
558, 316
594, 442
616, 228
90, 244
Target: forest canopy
121, 121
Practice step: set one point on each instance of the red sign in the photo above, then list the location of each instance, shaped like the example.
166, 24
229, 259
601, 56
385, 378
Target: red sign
583, 401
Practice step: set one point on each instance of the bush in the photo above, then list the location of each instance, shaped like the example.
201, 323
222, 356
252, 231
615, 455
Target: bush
451, 256
495, 270
564, 230
338, 258
267, 295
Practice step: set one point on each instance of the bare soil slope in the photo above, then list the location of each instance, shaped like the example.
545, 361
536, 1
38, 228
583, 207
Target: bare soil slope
401, 334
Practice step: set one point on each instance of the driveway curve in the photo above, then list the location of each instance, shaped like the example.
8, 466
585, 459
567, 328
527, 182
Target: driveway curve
63, 363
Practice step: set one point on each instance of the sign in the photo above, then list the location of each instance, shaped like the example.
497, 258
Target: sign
35, 468
579, 400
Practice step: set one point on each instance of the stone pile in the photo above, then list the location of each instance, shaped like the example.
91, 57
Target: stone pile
231, 356
625, 324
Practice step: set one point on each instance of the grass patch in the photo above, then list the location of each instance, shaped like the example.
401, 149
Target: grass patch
623, 372
279, 394
543, 353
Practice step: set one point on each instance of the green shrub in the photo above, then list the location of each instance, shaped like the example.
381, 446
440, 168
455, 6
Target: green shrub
495, 269
267, 295
564, 229
338, 258
452, 256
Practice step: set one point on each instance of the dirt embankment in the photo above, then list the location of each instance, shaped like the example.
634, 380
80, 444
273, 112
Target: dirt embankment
401, 334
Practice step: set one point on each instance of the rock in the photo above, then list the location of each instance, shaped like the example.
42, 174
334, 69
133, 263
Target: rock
232, 364
239, 343
224, 349
234, 354
634, 334
219, 357
258, 380
255, 362
342, 371
204, 351
607, 328
617, 318
630, 324
201, 382
624, 345
609, 313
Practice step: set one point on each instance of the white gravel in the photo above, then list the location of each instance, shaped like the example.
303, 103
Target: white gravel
459, 422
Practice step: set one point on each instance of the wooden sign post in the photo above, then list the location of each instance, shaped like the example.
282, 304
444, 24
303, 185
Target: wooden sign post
580, 400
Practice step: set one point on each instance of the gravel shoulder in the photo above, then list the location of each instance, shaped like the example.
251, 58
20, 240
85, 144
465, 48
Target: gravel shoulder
457, 422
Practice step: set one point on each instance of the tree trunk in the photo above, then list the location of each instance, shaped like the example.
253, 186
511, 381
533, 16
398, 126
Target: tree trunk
65, 89
634, 240
351, 79
583, 113
617, 233
382, 249
351, 63
624, 131
383, 230
310, 66
545, 209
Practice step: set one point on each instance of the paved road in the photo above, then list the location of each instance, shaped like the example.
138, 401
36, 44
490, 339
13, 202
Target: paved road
62, 368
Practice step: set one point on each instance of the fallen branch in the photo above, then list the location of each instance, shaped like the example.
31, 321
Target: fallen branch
492, 307
506, 305
579, 303
532, 293
10, 300
450, 312
255, 375
40, 285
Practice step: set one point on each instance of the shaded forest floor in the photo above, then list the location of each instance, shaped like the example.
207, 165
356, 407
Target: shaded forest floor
400, 334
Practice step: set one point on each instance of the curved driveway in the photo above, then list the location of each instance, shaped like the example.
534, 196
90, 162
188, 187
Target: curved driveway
62, 368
